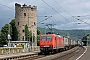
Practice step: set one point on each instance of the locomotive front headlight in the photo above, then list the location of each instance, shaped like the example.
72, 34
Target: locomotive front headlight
46, 46
41, 48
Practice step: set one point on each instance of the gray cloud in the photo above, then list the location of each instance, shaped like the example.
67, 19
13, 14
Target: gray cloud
73, 7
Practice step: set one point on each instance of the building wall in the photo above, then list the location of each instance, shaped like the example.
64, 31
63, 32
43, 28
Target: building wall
26, 15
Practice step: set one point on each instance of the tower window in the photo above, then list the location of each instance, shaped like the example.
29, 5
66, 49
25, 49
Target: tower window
34, 23
23, 38
24, 14
31, 9
22, 30
18, 23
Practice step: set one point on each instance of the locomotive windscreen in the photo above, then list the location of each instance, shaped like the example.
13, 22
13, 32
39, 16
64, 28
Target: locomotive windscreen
46, 37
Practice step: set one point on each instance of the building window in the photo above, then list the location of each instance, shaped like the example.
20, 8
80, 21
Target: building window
31, 9
18, 23
34, 23
22, 30
24, 14
23, 38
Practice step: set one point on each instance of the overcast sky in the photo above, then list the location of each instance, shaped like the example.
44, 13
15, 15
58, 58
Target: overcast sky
60, 10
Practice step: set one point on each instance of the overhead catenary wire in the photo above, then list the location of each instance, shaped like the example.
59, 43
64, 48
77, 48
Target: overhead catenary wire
14, 9
44, 19
56, 11
41, 16
73, 16
7, 6
52, 19
81, 20
64, 9
82, 16
87, 20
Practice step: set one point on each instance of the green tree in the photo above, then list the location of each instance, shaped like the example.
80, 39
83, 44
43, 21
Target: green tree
38, 40
87, 37
4, 34
27, 33
38, 37
14, 30
38, 32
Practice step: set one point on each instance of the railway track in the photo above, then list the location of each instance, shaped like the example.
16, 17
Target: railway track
65, 55
70, 54
32, 57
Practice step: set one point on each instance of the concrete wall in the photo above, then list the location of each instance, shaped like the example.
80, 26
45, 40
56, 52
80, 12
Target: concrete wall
17, 50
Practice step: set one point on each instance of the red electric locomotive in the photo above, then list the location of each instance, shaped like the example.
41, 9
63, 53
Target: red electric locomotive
51, 43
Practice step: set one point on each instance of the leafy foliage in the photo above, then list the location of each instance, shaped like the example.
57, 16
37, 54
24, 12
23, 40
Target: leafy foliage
87, 37
38, 32
5, 31
38, 40
27, 34
14, 30
4, 34
38, 37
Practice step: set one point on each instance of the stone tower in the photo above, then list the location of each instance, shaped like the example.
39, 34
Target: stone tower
26, 15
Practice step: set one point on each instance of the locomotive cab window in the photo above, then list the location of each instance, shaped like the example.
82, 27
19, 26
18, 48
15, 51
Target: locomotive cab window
46, 37
49, 37
43, 37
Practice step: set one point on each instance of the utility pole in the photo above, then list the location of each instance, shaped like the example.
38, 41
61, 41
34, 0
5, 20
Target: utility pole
50, 26
28, 34
32, 37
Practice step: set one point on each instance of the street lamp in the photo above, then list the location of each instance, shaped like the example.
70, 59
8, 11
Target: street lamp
9, 37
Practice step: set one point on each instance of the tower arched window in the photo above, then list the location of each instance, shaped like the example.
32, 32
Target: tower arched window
18, 23
24, 14
34, 23
23, 38
23, 31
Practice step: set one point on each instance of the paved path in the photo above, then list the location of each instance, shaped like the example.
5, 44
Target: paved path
86, 55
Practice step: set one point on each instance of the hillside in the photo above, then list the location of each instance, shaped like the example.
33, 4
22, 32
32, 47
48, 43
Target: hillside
74, 34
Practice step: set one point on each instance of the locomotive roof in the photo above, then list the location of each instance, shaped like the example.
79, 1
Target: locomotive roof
51, 34
48, 34
59, 36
